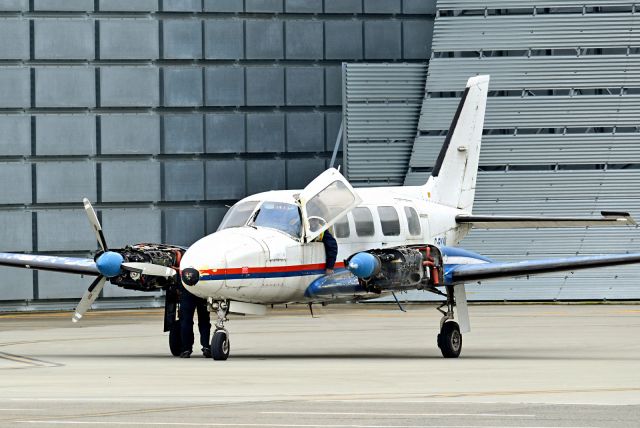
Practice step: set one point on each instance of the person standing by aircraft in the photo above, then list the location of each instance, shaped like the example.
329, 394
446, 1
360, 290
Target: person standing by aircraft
188, 306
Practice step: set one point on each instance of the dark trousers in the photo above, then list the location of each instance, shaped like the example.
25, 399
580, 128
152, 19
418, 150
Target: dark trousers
188, 305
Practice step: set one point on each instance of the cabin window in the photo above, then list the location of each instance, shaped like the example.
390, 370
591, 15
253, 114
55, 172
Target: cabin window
413, 221
238, 215
364, 221
341, 228
389, 221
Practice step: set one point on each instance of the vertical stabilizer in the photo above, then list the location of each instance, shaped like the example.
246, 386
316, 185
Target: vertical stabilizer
453, 179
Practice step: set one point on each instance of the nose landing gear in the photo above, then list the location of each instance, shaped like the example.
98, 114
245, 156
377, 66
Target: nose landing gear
220, 344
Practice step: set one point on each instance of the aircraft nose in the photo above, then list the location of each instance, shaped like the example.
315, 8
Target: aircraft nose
200, 262
218, 258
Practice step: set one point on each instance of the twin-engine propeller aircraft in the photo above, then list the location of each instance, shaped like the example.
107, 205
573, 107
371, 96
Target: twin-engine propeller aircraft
266, 250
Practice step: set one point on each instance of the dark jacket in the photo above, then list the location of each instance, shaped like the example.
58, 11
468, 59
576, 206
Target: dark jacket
330, 249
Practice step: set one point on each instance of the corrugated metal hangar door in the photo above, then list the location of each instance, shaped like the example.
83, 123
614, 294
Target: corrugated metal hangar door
561, 132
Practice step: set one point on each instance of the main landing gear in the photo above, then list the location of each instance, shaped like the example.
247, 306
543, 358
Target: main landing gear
450, 338
220, 341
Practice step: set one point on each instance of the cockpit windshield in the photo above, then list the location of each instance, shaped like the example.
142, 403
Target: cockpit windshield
280, 216
238, 215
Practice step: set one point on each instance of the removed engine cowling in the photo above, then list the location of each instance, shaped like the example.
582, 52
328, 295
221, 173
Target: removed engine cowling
157, 254
398, 268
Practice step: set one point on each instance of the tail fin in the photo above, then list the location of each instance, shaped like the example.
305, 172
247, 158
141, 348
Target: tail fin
453, 179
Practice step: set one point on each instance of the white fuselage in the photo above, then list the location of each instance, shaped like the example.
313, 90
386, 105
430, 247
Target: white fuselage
267, 266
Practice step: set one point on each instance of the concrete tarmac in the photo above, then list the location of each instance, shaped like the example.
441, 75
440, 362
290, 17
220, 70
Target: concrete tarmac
352, 366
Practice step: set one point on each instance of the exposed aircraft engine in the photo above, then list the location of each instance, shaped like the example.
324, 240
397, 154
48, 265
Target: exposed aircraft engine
156, 254
397, 268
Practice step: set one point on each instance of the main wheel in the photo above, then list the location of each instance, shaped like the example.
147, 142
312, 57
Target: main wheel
450, 340
175, 339
220, 345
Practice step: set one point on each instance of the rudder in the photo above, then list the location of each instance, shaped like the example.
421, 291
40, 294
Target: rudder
453, 179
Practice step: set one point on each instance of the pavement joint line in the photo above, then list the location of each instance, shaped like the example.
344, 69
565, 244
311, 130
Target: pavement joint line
485, 415
227, 424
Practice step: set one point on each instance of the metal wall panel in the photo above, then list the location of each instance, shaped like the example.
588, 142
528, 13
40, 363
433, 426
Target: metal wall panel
382, 104
509, 4
540, 149
521, 32
566, 185
540, 112
538, 72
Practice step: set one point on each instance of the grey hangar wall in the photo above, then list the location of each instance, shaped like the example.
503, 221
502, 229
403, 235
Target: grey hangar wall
164, 111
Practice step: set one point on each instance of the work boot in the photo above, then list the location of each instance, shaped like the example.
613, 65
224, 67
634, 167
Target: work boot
206, 352
185, 354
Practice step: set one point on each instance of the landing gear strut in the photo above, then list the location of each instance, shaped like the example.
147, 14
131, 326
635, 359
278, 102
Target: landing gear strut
450, 338
220, 341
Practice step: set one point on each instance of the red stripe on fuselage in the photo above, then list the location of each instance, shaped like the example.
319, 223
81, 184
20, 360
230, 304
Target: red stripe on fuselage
269, 269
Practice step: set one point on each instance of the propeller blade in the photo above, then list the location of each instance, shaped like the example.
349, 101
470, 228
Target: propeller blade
95, 224
149, 269
89, 297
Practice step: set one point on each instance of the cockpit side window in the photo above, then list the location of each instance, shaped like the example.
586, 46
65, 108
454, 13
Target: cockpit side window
280, 216
238, 215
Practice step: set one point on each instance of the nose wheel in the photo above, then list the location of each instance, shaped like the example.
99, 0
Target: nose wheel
220, 344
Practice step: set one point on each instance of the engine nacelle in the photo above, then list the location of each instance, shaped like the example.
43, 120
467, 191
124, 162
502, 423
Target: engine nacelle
397, 268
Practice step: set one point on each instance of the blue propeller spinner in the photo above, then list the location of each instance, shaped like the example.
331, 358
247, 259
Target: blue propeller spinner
364, 265
110, 264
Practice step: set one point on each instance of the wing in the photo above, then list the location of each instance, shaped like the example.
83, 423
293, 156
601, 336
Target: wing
59, 264
608, 218
479, 271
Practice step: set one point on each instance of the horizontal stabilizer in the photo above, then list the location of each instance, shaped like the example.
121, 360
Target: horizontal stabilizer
476, 272
516, 222
54, 263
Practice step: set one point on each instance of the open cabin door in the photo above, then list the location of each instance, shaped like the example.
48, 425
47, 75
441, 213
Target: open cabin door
327, 198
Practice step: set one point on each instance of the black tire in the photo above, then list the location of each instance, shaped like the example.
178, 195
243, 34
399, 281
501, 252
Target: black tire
220, 345
450, 340
175, 339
